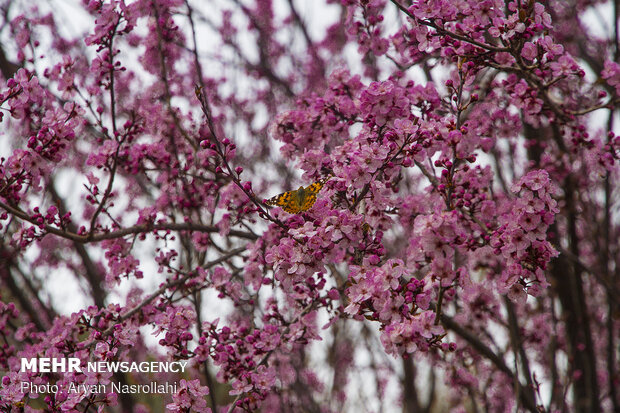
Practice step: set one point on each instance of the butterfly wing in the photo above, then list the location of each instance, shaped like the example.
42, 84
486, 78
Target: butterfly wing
308, 201
287, 200
299, 200
280, 200
292, 206
311, 192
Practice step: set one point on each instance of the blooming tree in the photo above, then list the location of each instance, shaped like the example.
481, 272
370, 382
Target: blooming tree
456, 227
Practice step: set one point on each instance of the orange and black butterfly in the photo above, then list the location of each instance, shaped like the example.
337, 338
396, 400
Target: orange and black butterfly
299, 200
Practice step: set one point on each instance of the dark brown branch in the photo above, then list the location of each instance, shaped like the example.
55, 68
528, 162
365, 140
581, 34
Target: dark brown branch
92, 274
7, 68
518, 348
486, 352
118, 233
445, 32
165, 287
6, 275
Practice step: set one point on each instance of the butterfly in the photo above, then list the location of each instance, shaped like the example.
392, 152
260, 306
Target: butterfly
299, 200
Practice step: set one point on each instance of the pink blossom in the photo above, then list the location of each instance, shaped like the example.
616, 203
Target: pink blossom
189, 396
529, 51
